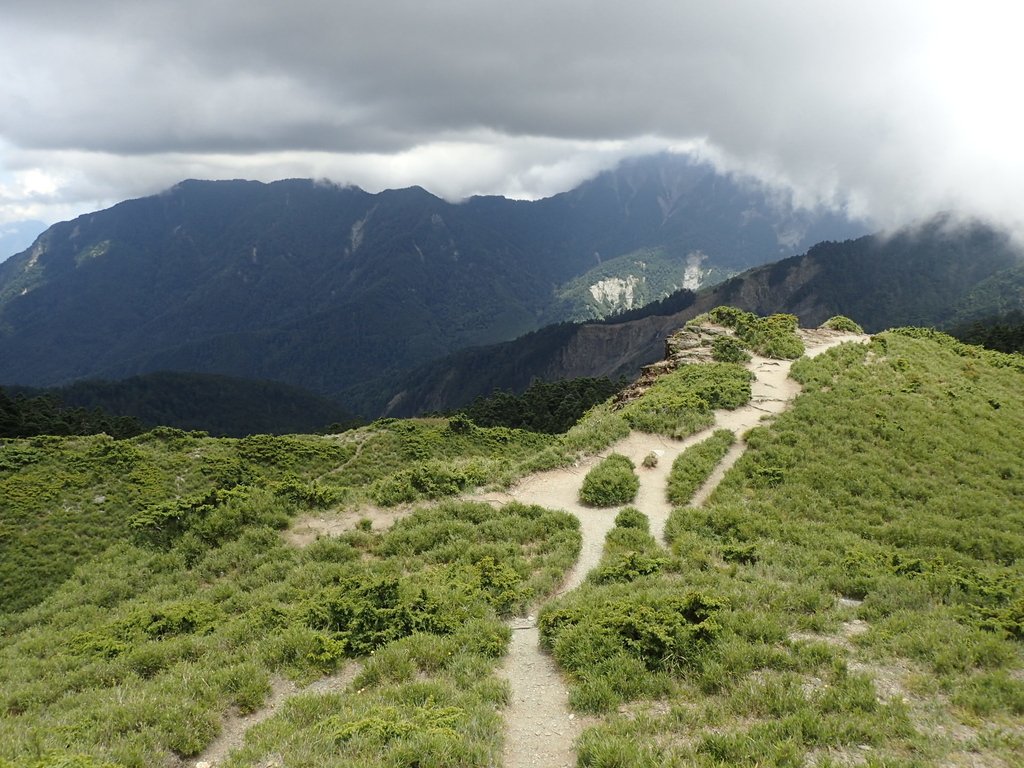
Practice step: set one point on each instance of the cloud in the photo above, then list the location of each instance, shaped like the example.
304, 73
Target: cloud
893, 109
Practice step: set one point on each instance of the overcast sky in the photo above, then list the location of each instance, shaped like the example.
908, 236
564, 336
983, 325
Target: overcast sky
896, 109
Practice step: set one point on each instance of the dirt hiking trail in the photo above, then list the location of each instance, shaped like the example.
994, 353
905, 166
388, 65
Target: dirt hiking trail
540, 729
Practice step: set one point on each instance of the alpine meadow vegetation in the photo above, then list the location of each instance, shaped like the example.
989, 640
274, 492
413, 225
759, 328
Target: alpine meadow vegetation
692, 467
852, 593
864, 560
135, 658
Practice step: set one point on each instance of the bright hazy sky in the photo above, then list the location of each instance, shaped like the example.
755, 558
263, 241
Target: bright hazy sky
896, 109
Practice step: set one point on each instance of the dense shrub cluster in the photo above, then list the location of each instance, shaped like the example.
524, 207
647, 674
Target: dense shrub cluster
841, 323
662, 631
727, 349
682, 402
771, 336
610, 483
629, 550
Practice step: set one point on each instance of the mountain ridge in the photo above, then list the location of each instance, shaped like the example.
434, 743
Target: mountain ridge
913, 277
324, 286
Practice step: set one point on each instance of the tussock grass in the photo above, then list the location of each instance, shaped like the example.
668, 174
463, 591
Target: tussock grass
894, 480
140, 653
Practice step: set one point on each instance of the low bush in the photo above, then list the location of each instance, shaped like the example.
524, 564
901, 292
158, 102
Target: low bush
841, 323
727, 349
693, 466
659, 627
611, 483
631, 517
683, 402
771, 336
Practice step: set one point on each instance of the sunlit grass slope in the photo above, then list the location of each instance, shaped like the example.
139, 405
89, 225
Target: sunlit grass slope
138, 656
861, 578
64, 500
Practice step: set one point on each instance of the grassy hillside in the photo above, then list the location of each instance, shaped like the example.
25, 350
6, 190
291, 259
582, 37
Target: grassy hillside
64, 500
853, 594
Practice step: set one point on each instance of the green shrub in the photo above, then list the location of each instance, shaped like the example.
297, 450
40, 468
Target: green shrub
610, 483
726, 349
682, 402
693, 466
662, 629
631, 517
730, 317
841, 323
428, 480
627, 567
772, 336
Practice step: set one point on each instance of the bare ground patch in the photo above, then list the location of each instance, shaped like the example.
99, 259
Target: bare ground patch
306, 529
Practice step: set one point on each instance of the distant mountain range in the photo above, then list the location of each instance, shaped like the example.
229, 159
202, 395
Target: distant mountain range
327, 287
399, 303
939, 274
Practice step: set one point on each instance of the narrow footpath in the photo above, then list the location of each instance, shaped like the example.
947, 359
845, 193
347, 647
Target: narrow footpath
540, 728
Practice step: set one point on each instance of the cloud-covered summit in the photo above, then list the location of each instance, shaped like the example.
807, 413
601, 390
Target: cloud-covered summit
896, 110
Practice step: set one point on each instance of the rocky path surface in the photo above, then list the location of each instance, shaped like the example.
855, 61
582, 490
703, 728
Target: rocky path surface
540, 729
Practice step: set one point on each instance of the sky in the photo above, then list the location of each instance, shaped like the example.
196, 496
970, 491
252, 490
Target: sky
894, 110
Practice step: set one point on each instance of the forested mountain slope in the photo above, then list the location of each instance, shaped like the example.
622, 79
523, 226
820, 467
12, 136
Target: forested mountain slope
323, 287
921, 276
223, 406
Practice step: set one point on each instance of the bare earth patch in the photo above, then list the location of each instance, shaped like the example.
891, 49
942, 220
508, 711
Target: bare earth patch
308, 528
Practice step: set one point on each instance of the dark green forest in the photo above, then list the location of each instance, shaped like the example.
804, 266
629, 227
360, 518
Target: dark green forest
22, 416
546, 406
223, 406
1003, 333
